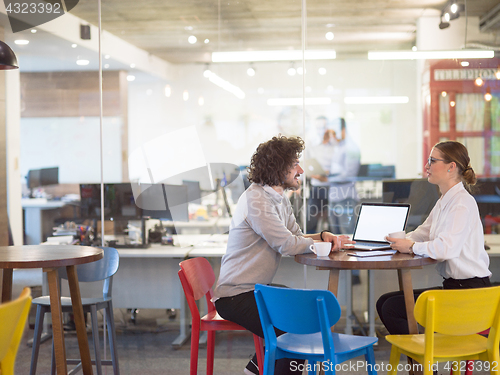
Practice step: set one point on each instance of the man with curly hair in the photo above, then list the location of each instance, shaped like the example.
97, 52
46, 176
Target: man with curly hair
263, 229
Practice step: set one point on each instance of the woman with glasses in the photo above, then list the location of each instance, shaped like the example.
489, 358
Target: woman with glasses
452, 233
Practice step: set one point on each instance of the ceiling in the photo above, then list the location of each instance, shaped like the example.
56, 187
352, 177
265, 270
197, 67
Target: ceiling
162, 27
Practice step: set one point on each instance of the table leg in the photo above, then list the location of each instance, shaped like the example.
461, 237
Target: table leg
333, 281
7, 284
81, 330
404, 276
57, 327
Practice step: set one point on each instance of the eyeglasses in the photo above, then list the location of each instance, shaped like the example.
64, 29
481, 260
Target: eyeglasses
432, 160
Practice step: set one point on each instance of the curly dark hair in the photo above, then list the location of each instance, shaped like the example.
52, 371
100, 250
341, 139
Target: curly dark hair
273, 160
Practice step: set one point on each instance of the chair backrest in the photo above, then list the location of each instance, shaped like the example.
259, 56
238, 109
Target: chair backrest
197, 278
13, 316
103, 269
297, 310
459, 311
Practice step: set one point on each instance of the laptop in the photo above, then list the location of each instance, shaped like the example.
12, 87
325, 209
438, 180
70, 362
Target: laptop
312, 167
377, 220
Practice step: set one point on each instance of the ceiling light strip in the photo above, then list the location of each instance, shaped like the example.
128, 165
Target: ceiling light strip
376, 100
292, 55
222, 83
414, 55
298, 101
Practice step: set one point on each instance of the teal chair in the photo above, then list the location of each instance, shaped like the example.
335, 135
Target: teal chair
307, 316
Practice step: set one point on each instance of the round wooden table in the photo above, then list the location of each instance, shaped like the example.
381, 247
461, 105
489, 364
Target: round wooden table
50, 258
403, 263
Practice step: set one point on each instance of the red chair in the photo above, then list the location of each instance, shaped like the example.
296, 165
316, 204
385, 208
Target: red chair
197, 278
469, 365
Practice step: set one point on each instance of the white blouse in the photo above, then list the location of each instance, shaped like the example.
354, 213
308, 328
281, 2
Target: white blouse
453, 235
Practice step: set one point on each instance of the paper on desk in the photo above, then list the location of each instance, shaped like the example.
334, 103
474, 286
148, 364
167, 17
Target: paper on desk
375, 253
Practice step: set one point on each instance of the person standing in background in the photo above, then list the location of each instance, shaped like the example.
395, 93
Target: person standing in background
317, 204
343, 196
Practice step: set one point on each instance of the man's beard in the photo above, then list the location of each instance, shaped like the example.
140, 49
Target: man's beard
295, 186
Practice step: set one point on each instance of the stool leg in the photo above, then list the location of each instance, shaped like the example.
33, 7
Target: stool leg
112, 338
95, 336
37, 335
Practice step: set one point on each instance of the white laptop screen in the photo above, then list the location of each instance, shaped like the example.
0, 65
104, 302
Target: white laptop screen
375, 221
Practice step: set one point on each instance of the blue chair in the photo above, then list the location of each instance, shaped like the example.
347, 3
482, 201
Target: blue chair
102, 270
307, 316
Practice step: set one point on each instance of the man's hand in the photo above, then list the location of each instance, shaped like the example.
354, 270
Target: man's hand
338, 242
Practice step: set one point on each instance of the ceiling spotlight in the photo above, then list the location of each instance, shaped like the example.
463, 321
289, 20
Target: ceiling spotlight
443, 94
185, 95
454, 8
132, 65
464, 63
414, 48
130, 78
106, 66
444, 25
479, 81
291, 71
300, 71
82, 62
497, 74
488, 97
107, 57
329, 35
251, 71
74, 45
21, 42
452, 104
192, 39
33, 31
168, 91
206, 41
322, 71
201, 101
447, 17
188, 28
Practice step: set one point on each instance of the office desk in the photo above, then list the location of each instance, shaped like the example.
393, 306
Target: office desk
50, 258
39, 214
212, 226
403, 263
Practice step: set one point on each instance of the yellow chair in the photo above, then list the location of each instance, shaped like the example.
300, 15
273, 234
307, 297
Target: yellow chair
13, 316
451, 319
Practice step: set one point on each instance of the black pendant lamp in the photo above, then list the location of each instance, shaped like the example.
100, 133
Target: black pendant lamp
8, 59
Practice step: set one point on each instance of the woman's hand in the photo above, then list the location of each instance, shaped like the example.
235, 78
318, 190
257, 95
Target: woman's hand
338, 242
400, 244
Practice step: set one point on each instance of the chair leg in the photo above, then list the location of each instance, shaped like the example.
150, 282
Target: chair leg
37, 335
259, 350
112, 338
370, 360
394, 361
195, 342
95, 336
210, 352
469, 367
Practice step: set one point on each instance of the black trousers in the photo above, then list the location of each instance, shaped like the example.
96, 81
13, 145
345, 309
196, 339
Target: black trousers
391, 307
242, 309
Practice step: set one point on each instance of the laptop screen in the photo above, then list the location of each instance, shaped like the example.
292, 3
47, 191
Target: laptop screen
377, 220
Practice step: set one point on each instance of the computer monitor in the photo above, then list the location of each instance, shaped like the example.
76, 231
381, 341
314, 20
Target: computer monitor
163, 201
33, 179
419, 193
487, 195
42, 177
49, 176
194, 191
119, 201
